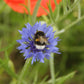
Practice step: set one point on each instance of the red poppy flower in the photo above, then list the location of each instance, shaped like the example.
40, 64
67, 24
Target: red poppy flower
17, 5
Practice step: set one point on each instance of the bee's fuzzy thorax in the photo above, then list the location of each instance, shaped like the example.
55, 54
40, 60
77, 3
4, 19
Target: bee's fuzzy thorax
40, 40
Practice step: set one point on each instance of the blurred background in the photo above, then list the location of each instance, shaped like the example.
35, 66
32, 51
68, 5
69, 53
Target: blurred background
71, 45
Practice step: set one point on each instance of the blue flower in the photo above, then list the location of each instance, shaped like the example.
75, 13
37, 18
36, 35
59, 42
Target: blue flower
28, 46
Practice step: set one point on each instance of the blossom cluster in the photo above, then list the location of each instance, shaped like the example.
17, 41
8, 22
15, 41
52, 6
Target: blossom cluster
28, 46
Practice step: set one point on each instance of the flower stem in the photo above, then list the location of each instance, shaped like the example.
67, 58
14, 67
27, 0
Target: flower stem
24, 71
52, 69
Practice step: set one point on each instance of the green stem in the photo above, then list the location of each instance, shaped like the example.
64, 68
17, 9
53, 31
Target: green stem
24, 71
52, 69
29, 5
51, 12
35, 11
36, 77
57, 10
64, 7
67, 27
79, 10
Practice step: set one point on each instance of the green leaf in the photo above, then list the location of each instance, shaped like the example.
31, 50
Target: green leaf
10, 45
62, 79
6, 56
43, 81
8, 69
69, 26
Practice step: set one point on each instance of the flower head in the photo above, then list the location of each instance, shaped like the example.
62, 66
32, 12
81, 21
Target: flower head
19, 6
38, 42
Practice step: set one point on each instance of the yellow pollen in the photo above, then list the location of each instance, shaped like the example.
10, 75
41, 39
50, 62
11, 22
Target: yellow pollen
37, 40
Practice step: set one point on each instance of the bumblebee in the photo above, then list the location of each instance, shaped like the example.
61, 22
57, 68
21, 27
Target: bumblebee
40, 40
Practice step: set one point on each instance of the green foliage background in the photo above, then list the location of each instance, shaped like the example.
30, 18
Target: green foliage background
66, 68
